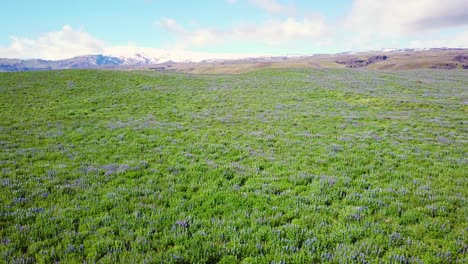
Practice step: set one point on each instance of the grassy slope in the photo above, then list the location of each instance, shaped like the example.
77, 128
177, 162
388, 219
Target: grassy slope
274, 165
397, 61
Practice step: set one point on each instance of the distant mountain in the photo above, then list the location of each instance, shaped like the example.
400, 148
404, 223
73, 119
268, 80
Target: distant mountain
89, 61
113, 59
139, 59
81, 62
86, 62
388, 59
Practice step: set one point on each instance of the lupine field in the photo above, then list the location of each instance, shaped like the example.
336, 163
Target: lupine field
273, 166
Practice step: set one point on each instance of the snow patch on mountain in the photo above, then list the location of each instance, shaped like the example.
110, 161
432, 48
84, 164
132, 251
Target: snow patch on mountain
136, 55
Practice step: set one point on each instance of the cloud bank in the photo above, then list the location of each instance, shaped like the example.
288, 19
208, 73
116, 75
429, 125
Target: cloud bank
403, 17
270, 32
62, 44
369, 24
274, 7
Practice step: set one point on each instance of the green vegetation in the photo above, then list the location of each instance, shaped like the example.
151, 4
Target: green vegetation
273, 166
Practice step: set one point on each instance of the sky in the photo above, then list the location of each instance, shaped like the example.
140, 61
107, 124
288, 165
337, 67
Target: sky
57, 29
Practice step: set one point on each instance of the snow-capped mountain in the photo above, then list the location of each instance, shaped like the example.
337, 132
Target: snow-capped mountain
117, 57
113, 59
80, 62
138, 59
141, 55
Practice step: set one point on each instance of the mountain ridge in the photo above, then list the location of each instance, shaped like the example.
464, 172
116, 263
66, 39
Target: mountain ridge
388, 59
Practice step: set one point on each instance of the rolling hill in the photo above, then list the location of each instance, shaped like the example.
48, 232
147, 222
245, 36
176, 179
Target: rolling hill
270, 166
407, 59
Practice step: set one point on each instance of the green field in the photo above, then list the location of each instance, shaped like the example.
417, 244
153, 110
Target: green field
272, 166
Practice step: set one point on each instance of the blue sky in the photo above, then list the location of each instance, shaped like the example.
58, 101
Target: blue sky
53, 29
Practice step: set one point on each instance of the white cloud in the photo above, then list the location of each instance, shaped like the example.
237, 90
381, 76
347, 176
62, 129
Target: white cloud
277, 32
271, 32
274, 7
370, 25
405, 17
231, 1
68, 42
459, 40
171, 25
198, 37
61, 44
